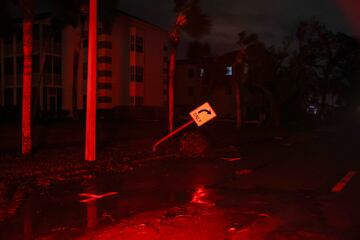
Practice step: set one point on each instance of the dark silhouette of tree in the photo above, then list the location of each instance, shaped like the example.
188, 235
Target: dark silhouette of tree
318, 53
190, 19
200, 54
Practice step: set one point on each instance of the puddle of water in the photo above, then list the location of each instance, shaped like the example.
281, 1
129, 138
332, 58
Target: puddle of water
58, 212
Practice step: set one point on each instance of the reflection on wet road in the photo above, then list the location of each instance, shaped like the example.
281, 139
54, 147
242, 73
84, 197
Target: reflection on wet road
59, 212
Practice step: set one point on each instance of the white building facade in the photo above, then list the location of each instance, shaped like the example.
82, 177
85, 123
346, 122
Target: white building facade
132, 65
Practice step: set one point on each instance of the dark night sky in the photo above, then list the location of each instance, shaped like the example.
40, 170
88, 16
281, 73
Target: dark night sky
271, 19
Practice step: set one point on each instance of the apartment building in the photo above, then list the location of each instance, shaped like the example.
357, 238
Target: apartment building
132, 65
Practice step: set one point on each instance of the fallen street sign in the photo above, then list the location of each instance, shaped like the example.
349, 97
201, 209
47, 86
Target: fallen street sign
203, 114
200, 115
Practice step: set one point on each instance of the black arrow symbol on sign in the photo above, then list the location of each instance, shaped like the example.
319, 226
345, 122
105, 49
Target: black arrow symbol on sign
204, 110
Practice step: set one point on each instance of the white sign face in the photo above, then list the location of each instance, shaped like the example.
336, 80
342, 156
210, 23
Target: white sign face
203, 114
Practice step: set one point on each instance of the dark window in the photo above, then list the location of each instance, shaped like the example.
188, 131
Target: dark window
191, 73
104, 85
105, 59
139, 74
48, 64
137, 43
104, 73
9, 66
57, 65
190, 91
139, 100
9, 97
19, 94
46, 31
35, 63
104, 99
132, 73
132, 43
36, 32
104, 44
19, 65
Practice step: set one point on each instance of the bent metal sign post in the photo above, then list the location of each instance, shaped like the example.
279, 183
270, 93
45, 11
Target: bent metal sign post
200, 116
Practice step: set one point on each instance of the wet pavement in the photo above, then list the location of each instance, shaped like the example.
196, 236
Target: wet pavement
278, 189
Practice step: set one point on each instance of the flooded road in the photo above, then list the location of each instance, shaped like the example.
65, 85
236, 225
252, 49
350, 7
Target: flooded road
58, 211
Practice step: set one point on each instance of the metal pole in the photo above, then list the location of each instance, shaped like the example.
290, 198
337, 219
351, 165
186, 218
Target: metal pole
172, 134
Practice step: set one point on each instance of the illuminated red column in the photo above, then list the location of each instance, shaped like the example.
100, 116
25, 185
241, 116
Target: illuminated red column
90, 138
26, 100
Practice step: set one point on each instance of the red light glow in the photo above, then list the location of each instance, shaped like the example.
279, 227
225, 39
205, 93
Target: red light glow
200, 196
26, 100
90, 138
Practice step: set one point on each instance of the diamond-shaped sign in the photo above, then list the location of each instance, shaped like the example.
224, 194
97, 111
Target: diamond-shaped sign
203, 114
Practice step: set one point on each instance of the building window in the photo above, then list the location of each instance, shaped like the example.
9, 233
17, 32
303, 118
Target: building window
104, 85
104, 99
48, 64
202, 72
137, 44
35, 63
104, 44
139, 75
136, 73
36, 32
20, 65
229, 71
9, 97
104, 73
191, 73
105, 59
9, 66
138, 100
57, 65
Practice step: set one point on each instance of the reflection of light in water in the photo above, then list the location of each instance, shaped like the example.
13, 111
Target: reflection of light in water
200, 195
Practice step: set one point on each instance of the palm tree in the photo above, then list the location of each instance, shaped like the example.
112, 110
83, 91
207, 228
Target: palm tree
190, 19
241, 66
199, 53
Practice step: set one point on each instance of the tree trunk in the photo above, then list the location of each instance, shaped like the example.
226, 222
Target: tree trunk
76, 58
90, 138
26, 101
172, 65
238, 103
